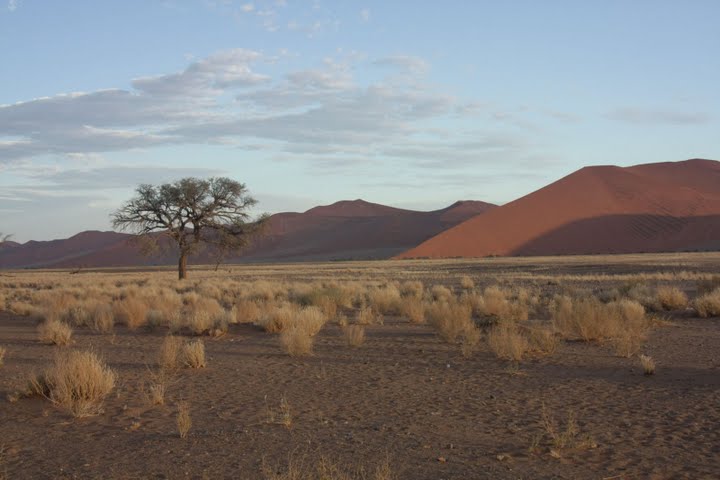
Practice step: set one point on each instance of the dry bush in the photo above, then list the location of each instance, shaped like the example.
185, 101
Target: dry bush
623, 323
54, 332
495, 303
101, 318
708, 305
450, 319
78, 381
441, 293
470, 340
297, 338
671, 298
246, 311
412, 288
648, 364
130, 311
76, 315
559, 437
708, 285
385, 300
3, 351
542, 341
354, 335
156, 393
193, 354
467, 283
183, 420
2, 302
506, 341
169, 356
630, 327
368, 316
262, 290
277, 318
296, 341
413, 309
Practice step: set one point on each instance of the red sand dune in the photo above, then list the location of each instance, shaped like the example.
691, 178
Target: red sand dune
673, 206
343, 230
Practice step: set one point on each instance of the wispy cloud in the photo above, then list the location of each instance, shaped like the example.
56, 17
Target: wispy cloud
403, 62
13, 5
365, 15
650, 116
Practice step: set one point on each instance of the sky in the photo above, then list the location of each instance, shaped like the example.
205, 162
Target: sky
409, 103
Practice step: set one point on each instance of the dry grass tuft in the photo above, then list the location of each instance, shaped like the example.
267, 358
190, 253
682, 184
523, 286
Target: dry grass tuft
326, 469
170, 353
278, 317
54, 332
193, 354
648, 364
412, 288
368, 316
708, 305
450, 319
542, 341
467, 283
130, 311
671, 298
385, 300
101, 318
246, 311
413, 309
78, 381
3, 352
354, 335
297, 338
441, 293
182, 419
507, 342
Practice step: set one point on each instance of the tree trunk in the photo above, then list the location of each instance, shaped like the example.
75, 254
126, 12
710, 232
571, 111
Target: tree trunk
182, 266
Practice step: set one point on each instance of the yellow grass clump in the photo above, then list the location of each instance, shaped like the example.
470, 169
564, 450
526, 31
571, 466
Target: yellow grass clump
183, 420
78, 382
354, 335
3, 352
467, 283
385, 300
278, 317
708, 305
412, 288
297, 338
101, 318
193, 354
441, 293
413, 309
54, 332
671, 298
368, 316
169, 356
130, 311
246, 311
648, 364
507, 342
450, 319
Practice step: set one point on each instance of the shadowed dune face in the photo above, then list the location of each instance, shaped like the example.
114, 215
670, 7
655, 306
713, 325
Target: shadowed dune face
344, 230
658, 199
628, 234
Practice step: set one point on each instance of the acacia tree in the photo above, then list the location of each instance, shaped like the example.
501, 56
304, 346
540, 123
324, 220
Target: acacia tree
193, 213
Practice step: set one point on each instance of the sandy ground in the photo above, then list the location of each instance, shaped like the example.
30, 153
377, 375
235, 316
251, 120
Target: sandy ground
403, 396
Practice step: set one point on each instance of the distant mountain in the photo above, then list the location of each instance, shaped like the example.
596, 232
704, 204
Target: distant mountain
344, 230
659, 207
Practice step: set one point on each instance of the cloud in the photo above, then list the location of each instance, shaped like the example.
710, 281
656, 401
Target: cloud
645, 116
403, 62
365, 15
248, 7
13, 5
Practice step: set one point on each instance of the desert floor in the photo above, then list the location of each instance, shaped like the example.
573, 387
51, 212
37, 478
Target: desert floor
403, 398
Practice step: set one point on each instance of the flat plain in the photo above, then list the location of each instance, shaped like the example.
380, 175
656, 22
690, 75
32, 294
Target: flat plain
500, 368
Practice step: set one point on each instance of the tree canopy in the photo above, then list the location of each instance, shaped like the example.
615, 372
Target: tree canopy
193, 212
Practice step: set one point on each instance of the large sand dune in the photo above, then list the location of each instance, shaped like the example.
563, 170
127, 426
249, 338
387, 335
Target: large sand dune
344, 230
672, 206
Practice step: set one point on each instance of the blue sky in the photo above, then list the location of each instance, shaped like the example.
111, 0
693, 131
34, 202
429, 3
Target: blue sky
409, 103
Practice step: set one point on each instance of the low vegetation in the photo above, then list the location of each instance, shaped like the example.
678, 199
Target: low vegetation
78, 381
